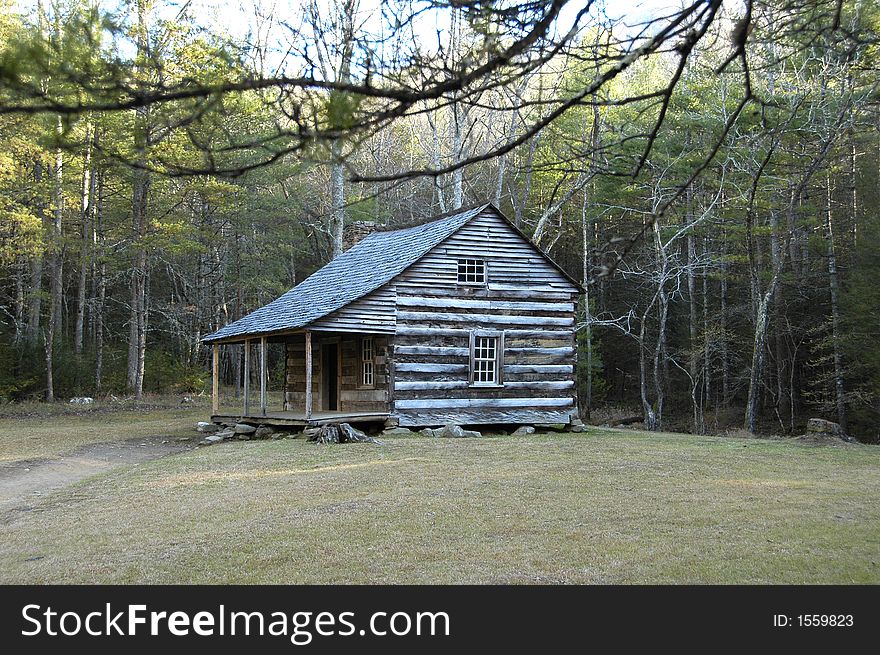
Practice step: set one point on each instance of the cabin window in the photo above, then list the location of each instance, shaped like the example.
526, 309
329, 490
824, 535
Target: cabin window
367, 365
472, 271
487, 355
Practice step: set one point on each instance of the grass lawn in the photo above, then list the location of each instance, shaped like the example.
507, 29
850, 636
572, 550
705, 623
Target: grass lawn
601, 507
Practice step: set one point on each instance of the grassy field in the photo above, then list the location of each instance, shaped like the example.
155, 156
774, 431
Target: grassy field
601, 507
51, 436
44, 430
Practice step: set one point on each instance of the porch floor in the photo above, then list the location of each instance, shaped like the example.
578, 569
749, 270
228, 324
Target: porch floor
298, 418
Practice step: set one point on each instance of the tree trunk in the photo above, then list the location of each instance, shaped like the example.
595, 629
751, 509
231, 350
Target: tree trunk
555, 209
35, 292
437, 161
20, 265
48, 346
647, 407
87, 192
57, 268
459, 115
759, 315
725, 352
654, 412
458, 153
99, 328
140, 197
499, 180
337, 198
586, 275
661, 349
137, 318
660, 355
337, 169
758, 347
853, 191
707, 345
778, 311
694, 359
100, 284
834, 289
762, 310
586, 233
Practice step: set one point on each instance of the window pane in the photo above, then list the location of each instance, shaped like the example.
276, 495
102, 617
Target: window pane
367, 361
485, 363
472, 270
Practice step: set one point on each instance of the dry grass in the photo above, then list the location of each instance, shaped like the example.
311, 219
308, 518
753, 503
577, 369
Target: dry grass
600, 507
47, 430
52, 436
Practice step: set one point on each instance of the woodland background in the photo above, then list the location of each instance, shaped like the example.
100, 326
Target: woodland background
716, 191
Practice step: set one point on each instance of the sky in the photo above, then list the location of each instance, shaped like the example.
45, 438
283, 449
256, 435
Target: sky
237, 18
236, 15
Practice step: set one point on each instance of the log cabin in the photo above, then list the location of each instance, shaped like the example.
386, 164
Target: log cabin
461, 319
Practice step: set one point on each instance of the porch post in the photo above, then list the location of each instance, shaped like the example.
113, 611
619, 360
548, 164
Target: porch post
264, 377
215, 380
308, 374
247, 377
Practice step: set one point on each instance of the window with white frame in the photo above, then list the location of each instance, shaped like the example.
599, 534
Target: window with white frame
487, 353
367, 373
472, 271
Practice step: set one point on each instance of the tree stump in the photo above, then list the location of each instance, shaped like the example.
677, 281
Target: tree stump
341, 433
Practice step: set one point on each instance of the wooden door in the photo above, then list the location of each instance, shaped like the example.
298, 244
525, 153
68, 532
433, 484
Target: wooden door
330, 376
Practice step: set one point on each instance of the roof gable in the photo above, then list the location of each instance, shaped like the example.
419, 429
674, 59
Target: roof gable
363, 268
530, 244
360, 270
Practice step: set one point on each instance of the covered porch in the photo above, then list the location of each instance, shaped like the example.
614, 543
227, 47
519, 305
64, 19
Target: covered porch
329, 377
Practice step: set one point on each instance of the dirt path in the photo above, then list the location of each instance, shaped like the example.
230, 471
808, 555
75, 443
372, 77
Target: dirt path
24, 482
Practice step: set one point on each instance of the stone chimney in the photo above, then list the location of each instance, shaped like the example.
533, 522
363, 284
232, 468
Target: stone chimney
356, 231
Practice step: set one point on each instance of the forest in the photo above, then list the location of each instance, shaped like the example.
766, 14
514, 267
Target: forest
710, 170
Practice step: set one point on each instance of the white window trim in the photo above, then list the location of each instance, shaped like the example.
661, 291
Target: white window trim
368, 364
498, 335
482, 283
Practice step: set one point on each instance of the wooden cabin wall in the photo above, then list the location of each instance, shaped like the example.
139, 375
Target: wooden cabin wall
352, 396
526, 297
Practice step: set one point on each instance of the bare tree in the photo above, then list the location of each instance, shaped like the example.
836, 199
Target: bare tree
335, 43
834, 293
87, 194
137, 326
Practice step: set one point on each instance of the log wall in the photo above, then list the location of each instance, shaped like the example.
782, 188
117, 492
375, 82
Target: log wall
525, 297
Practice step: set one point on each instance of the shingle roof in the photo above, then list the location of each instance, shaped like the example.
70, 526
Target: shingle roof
359, 270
